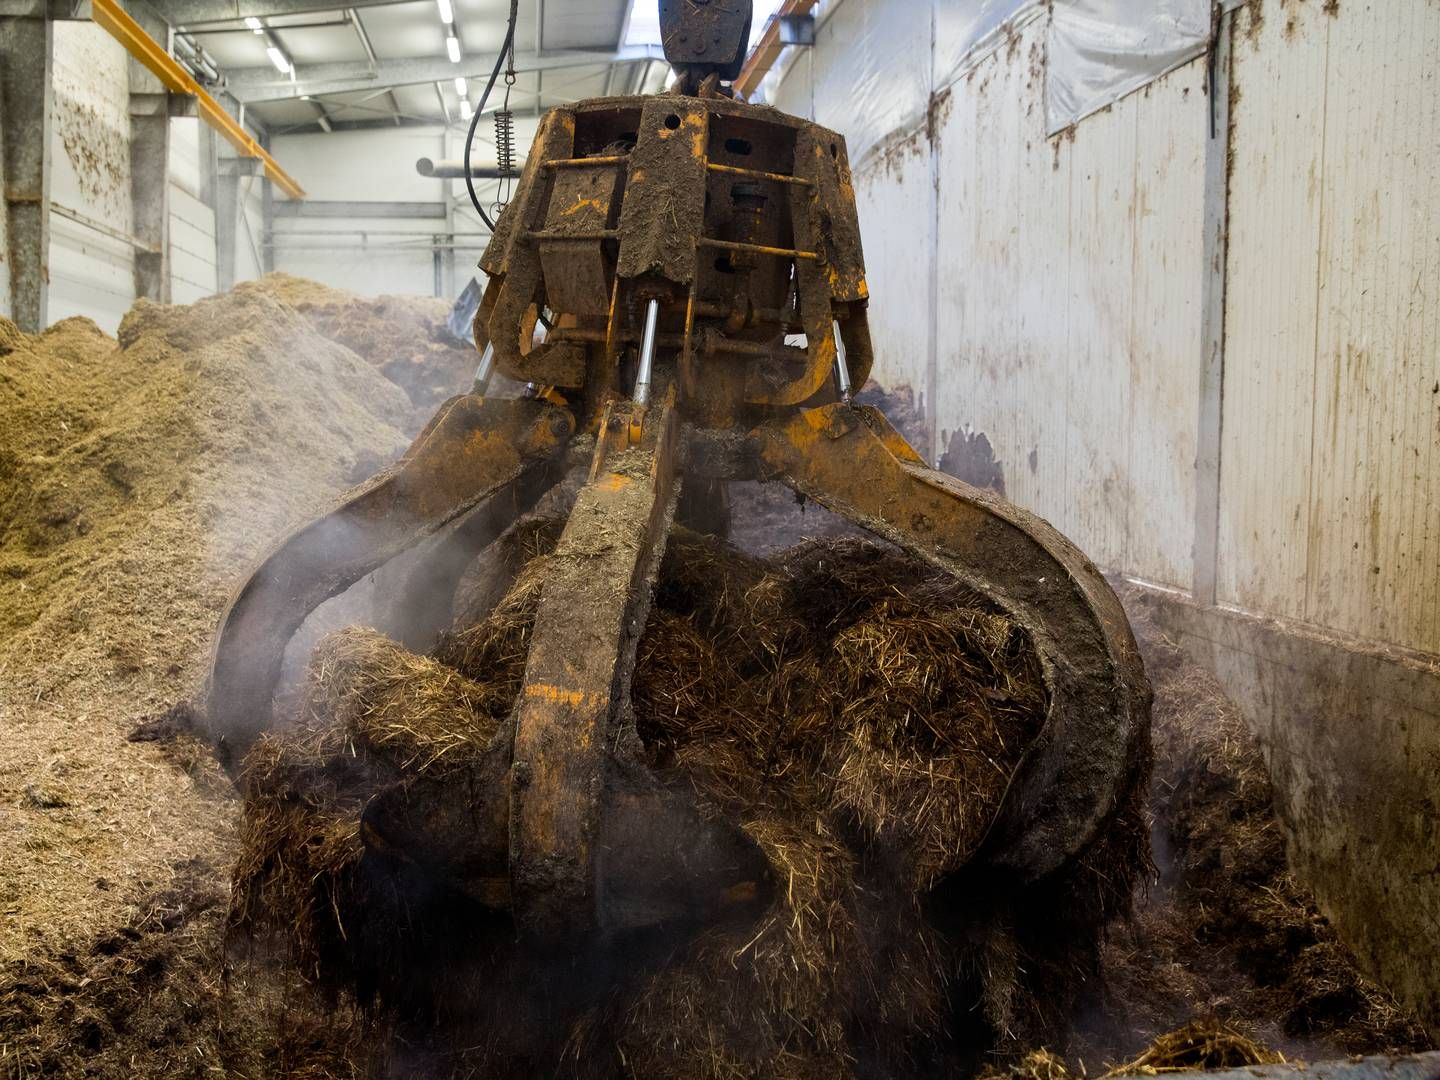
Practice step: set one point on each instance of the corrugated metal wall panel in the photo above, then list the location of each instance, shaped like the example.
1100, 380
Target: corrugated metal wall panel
1102, 265
893, 195
1004, 220
1274, 213
872, 70
1374, 517
1330, 501
1165, 334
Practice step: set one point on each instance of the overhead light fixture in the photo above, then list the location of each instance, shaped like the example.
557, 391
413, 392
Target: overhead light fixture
447, 13
461, 86
279, 59
452, 47
466, 109
255, 25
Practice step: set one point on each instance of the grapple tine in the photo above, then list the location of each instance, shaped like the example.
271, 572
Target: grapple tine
851, 461
474, 450
574, 701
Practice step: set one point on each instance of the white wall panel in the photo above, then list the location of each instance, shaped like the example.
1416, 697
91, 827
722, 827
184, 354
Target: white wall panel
372, 257
893, 194
1101, 275
187, 143
793, 90
192, 247
378, 163
90, 273
1172, 115
1373, 565
872, 70
1277, 133
1003, 266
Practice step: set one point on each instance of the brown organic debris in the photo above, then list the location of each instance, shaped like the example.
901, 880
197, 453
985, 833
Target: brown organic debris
856, 714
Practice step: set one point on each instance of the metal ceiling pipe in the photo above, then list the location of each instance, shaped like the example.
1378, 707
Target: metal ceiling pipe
455, 170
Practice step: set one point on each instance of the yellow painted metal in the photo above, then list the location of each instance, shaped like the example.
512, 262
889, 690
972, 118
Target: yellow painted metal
755, 249
112, 18
586, 162
759, 175
768, 49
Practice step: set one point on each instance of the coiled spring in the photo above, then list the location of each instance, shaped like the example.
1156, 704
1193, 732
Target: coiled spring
505, 142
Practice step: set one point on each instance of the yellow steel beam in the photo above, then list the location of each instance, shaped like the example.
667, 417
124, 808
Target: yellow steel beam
768, 49
124, 29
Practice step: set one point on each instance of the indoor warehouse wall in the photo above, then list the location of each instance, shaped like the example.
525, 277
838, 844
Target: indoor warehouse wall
92, 264
370, 222
1200, 333
92, 243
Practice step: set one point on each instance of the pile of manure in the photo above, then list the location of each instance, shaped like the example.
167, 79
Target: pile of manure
855, 713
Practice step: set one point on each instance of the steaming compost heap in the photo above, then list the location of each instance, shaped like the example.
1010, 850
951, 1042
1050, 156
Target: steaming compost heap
138, 478
856, 713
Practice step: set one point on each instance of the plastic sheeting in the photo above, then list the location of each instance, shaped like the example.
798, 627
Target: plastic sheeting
1101, 50
871, 61
965, 30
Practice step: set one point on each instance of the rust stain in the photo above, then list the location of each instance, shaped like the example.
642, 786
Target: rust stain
556, 695
597, 205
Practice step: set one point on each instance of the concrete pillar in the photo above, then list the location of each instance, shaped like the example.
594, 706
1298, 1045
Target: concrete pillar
230, 178
150, 110
267, 228
27, 53
447, 279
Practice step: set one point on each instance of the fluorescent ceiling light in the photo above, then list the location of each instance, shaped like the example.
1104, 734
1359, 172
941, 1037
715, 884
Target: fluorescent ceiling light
279, 59
461, 87
452, 48
254, 24
447, 13
466, 109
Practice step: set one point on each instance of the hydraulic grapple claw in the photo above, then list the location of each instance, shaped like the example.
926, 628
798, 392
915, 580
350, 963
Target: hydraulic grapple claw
699, 260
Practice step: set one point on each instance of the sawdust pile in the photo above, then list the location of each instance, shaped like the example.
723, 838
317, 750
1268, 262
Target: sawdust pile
404, 337
138, 479
857, 716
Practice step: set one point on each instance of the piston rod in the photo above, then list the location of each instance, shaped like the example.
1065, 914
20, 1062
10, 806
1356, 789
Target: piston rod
647, 353
484, 371
842, 369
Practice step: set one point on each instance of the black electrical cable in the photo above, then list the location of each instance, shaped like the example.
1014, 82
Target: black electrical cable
479, 110
505, 50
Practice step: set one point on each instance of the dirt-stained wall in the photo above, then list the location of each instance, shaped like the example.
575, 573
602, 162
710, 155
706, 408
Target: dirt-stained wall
1069, 342
92, 270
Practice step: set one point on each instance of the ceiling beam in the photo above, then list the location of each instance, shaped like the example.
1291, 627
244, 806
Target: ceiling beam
252, 85
194, 12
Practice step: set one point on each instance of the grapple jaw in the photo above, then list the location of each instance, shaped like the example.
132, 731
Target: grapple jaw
577, 838
700, 261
